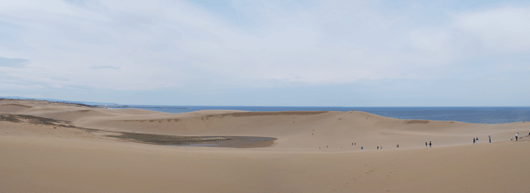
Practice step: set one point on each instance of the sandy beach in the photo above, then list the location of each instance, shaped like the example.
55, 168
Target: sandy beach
58, 147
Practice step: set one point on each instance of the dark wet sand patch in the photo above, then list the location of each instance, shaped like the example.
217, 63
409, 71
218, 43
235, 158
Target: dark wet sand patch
417, 122
238, 114
197, 141
16, 118
10, 118
153, 120
16, 105
248, 114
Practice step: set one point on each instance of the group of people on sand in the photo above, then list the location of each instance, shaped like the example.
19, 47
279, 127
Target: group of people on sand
362, 148
429, 144
517, 136
475, 140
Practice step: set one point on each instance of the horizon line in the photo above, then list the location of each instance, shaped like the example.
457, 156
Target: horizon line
155, 106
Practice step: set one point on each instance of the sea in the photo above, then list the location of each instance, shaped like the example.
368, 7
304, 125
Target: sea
484, 115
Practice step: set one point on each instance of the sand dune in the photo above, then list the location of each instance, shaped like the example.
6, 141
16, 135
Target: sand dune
74, 154
13, 108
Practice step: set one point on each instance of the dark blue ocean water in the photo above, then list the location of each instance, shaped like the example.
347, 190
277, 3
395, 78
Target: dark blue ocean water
489, 115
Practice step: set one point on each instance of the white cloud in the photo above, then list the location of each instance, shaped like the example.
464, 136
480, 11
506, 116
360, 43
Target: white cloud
503, 29
13, 62
174, 44
18, 4
105, 67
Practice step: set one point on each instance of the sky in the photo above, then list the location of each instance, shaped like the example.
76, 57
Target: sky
267, 53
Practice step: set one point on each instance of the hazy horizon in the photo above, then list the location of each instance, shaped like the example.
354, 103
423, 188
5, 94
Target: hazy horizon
111, 103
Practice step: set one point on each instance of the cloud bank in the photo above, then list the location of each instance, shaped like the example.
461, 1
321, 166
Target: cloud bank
199, 46
13, 62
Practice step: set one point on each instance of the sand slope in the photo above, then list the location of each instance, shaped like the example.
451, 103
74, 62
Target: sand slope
54, 164
44, 158
13, 108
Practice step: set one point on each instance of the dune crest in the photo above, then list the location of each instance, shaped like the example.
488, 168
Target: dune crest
307, 130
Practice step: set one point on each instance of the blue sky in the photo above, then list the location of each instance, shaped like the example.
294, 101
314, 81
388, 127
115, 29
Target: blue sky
268, 53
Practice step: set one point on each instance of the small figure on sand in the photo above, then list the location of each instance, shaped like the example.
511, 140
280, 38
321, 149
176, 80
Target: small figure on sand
516, 136
430, 144
425, 144
473, 140
397, 145
377, 147
489, 136
361, 147
477, 139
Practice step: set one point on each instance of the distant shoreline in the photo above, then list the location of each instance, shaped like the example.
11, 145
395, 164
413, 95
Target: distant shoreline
479, 115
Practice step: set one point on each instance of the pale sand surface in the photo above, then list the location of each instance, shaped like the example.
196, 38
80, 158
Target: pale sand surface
46, 158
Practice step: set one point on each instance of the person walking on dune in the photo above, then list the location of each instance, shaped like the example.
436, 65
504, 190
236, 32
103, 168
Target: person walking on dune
516, 136
473, 141
430, 144
489, 136
425, 144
